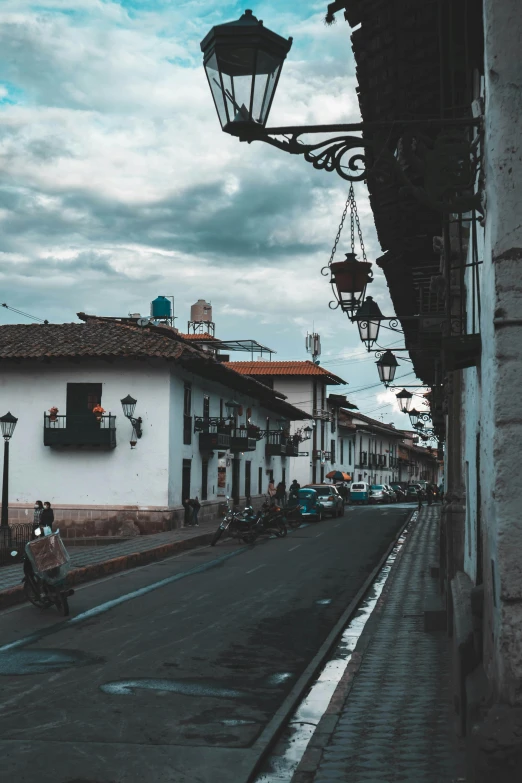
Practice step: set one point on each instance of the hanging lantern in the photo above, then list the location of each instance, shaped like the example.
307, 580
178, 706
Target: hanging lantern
404, 398
243, 62
386, 366
349, 278
368, 318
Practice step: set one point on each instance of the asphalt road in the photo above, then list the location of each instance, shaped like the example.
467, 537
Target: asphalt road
175, 681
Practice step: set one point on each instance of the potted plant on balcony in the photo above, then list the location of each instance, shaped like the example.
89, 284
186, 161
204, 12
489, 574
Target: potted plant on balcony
98, 412
53, 413
254, 431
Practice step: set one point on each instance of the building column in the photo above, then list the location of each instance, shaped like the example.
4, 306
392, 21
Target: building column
497, 740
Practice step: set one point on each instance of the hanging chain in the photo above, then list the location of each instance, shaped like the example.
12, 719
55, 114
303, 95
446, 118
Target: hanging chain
354, 221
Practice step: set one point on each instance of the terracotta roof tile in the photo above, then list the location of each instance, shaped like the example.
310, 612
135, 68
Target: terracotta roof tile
284, 368
204, 336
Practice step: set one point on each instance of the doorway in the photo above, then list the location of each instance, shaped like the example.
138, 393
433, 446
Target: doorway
185, 480
236, 467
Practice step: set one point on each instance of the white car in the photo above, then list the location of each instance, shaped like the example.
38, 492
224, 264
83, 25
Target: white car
378, 494
330, 499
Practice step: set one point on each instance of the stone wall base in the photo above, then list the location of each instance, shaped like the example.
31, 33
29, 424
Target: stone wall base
495, 747
124, 521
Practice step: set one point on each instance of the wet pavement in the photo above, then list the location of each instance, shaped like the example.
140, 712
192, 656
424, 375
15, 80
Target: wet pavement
171, 671
391, 718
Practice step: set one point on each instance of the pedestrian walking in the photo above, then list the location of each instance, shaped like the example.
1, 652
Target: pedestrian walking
441, 493
293, 495
419, 498
280, 493
47, 517
196, 505
189, 512
271, 491
429, 495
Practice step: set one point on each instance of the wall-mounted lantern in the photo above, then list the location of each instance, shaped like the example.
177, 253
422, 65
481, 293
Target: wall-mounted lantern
404, 398
129, 404
387, 366
368, 318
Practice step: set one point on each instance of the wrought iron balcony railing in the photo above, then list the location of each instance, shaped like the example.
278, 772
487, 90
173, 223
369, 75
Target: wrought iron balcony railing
81, 431
275, 444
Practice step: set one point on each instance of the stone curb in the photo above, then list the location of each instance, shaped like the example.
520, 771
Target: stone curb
309, 764
88, 573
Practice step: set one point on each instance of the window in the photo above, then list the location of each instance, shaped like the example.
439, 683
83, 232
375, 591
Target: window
221, 409
349, 452
187, 417
341, 444
322, 434
332, 451
333, 423
204, 479
206, 407
322, 473
260, 481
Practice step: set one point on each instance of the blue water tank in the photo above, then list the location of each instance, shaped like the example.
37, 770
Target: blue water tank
161, 307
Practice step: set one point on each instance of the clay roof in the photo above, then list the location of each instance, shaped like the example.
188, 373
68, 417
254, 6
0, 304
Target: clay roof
285, 368
204, 336
121, 338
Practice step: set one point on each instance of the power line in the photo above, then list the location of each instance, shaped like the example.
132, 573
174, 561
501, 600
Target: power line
25, 315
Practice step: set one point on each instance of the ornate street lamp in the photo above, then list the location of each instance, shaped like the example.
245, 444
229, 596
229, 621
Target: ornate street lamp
7, 424
243, 62
387, 366
404, 398
129, 404
414, 416
368, 318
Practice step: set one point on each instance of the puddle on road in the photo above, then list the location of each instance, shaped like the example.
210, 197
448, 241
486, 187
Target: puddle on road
282, 763
41, 661
183, 687
279, 678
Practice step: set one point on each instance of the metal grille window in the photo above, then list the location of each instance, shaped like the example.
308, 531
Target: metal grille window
341, 445
204, 479
332, 450
187, 417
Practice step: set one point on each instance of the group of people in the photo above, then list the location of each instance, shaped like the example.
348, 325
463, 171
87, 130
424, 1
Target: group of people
278, 494
43, 514
191, 506
433, 494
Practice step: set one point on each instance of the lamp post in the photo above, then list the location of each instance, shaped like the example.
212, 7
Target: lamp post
387, 366
7, 424
128, 404
404, 398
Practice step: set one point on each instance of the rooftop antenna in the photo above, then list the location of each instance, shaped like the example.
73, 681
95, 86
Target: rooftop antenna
313, 346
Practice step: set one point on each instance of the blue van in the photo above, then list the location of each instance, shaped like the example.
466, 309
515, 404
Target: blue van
360, 493
310, 504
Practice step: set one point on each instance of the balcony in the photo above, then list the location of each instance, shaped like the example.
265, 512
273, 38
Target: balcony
363, 460
275, 444
80, 431
324, 456
292, 448
214, 433
240, 441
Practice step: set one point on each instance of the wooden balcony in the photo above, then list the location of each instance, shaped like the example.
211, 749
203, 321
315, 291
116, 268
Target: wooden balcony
275, 444
240, 441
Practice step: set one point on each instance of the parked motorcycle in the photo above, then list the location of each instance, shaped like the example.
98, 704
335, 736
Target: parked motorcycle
271, 521
46, 564
236, 525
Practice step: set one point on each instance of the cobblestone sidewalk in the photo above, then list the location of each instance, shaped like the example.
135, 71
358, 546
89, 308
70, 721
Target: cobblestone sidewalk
391, 719
10, 576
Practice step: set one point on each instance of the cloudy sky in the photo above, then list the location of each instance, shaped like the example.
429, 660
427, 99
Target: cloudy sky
117, 184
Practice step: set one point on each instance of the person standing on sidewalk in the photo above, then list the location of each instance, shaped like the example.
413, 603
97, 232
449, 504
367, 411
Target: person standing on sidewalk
271, 491
47, 517
280, 493
196, 505
37, 516
189, 512
419, 498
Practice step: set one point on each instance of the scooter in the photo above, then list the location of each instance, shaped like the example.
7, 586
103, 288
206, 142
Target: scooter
45, 588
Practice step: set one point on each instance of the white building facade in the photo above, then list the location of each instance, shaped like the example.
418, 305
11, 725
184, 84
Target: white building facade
192, 443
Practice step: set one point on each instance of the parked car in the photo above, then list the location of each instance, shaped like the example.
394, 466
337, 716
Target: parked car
360, 493
399, 491
412, 493
330, 499
378, 494
392, 495
310, 504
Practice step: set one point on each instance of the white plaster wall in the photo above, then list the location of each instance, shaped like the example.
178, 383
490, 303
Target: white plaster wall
120, 476
179, 451
501, 421
380, 444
